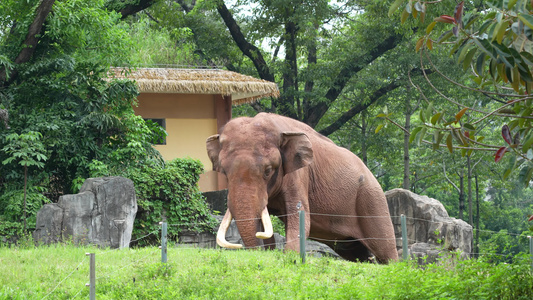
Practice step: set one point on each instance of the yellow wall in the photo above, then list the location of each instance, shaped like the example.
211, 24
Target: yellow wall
190, 120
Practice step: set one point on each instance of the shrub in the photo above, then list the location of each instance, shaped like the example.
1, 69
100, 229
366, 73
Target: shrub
169, 192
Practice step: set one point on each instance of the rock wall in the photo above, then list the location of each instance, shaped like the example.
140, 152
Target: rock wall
102, 213
429, 227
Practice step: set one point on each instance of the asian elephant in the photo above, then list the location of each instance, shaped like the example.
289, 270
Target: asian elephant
274, 163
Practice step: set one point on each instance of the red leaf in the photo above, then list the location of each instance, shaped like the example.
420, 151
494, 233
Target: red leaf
500, 153
467, 134
530, 218
445, 19
458, 13
506, 134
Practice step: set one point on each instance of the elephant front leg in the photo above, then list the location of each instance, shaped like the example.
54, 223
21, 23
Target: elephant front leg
292, 229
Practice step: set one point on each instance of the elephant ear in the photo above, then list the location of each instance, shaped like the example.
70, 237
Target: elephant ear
296, 151
213, 149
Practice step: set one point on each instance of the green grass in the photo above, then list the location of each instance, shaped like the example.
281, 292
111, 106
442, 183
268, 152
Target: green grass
61, 272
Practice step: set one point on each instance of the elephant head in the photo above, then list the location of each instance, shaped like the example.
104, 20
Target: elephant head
254, 157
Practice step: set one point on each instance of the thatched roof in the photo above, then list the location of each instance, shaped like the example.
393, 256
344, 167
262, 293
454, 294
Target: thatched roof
242, 88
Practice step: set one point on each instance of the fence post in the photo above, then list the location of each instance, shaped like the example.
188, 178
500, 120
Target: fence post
405, 250
301, 214
163, 242
92, 276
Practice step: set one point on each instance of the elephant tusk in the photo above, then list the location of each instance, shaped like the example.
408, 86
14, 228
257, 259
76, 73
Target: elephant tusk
221, 234
267, 225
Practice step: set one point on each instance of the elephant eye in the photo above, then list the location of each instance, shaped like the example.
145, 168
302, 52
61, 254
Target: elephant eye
268, 171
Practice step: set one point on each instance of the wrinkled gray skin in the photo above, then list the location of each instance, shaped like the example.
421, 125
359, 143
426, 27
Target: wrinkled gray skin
274, 161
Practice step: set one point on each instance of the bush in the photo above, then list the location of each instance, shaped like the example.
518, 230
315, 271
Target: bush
170, 192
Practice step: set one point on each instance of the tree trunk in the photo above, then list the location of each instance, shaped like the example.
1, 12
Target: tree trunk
24, 206
364, 157
290, 75
470, 214
406, 183
476, 248
461, 194
30, 43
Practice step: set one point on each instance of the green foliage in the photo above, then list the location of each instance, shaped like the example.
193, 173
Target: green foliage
64, 114
12, 199
169, 193
159, 46
25, 149
219, 274
493, 41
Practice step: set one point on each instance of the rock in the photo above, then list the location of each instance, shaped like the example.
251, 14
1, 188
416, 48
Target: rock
102, 213
429, 227
48, 227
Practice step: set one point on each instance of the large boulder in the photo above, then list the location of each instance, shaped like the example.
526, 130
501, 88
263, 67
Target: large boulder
102, 213
429, 227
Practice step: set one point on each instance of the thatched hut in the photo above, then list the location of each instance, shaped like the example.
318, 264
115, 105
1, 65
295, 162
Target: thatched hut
193, 104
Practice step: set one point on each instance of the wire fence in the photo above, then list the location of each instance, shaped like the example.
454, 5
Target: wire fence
161, 233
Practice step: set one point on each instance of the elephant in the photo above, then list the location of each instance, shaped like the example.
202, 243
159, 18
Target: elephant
277, 165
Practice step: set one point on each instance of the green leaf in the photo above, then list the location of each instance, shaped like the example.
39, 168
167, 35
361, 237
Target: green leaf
380, 126
413, 134
395, 6
430, 27
449, 143
527, 144
421, 135
504, 55
527, 19
527, 57
422, 116
428, 111
445, 36
485, 46
468, 58
463, 52
506, 173
405, 15
469, 127
435, 118
479, 64
437, 138
525, 174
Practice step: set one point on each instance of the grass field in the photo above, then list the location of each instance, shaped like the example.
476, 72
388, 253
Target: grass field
61, 272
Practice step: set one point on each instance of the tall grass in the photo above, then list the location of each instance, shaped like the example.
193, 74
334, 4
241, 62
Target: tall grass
61, 272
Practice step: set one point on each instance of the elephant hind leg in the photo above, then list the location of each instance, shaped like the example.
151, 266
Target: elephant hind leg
352, 251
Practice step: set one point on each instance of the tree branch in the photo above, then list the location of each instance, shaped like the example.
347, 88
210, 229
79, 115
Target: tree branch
361, 106
31, 41
251, 51
129, 9
350, 69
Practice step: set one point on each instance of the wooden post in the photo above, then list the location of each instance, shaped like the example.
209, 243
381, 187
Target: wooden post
92, 276
301, 214
405, 250
163, 242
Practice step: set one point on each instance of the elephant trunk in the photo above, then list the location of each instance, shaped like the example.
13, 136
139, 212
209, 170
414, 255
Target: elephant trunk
245, 226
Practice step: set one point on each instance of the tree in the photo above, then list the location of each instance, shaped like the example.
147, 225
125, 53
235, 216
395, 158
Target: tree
298, 44
28, 151
492, 39
54, 58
